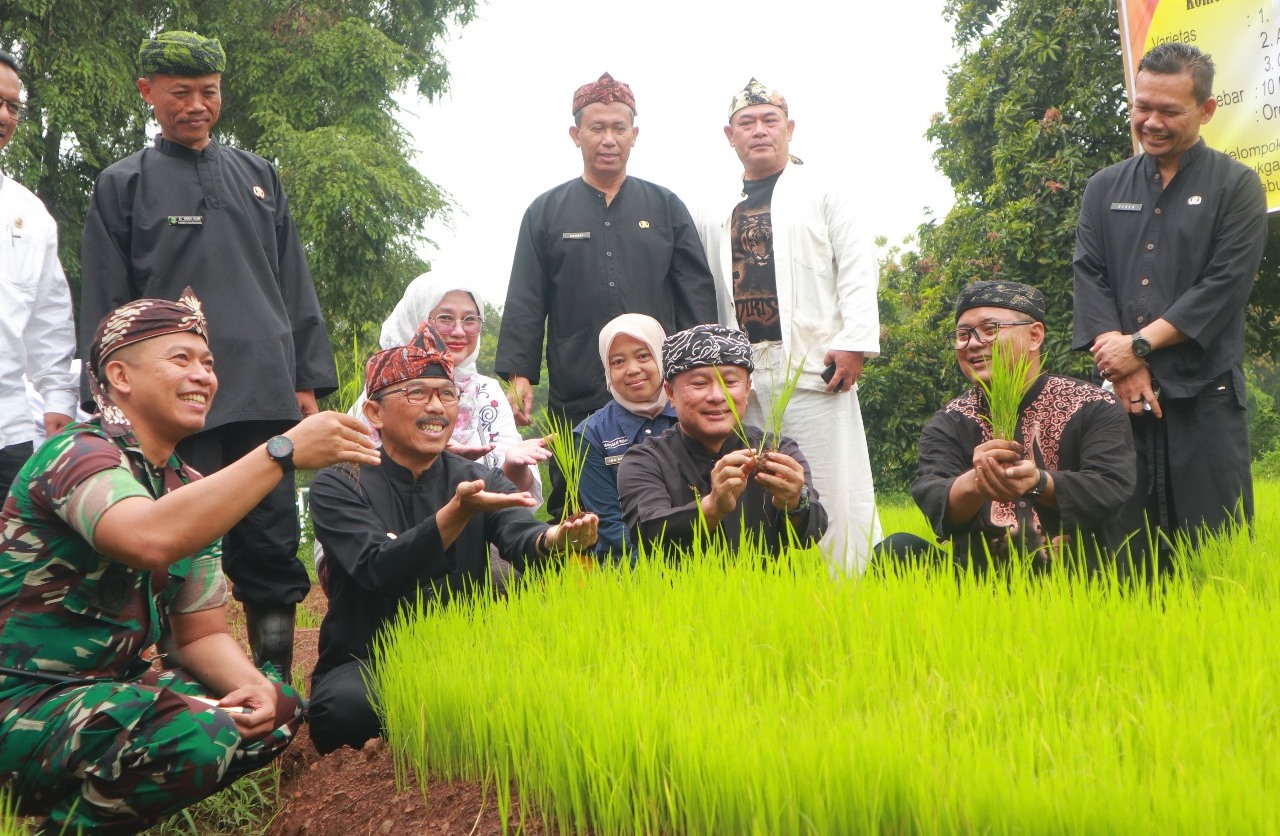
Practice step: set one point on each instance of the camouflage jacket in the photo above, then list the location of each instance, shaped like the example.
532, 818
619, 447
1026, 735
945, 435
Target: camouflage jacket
66, 608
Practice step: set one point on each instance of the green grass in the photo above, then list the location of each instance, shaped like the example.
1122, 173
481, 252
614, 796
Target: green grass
723, 698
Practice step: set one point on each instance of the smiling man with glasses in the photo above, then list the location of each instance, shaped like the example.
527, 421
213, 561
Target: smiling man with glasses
37, 334
422, 521
1059, 484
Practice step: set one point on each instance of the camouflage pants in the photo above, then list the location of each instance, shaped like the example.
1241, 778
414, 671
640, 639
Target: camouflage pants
116, 757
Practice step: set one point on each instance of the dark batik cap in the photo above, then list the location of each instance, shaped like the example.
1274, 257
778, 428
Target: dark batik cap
706, 345
132, 323
604, 90
756, 93
181, 53
426, 355
1012, 295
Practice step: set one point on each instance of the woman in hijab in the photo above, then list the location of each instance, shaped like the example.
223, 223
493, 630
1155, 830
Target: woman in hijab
486, 430
631, 351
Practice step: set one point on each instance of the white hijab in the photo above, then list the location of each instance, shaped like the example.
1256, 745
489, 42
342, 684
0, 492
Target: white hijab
419, 300
647, 330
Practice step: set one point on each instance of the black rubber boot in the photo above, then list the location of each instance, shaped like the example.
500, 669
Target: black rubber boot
271, 636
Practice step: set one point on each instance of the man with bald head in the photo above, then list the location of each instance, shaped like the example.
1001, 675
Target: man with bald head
594, 248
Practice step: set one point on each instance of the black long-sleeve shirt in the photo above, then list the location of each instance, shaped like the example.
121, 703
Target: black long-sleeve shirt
660, 482
1187, 253
217, 220
579, 263
1074, 430
382, 545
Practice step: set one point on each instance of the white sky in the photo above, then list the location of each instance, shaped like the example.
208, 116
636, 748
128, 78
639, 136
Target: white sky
861, 80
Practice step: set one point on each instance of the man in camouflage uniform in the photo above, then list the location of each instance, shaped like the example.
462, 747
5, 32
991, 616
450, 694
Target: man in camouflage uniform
108, 541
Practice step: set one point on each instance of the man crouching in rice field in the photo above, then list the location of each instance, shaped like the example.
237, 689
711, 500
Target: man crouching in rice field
420, 522
702, 472
110, 540
1059, 484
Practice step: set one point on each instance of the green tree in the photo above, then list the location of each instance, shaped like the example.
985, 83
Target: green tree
310, 85
1035, 105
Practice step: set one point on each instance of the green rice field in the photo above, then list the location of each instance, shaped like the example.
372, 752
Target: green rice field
721, 697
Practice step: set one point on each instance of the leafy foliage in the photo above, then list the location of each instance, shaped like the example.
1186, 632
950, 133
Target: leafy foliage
310, 86
1035, 106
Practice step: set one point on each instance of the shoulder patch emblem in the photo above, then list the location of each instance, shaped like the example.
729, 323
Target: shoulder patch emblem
644, 224
1194, 200
259, 193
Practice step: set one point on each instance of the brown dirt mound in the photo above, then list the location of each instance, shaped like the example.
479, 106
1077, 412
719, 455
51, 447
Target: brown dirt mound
353, 792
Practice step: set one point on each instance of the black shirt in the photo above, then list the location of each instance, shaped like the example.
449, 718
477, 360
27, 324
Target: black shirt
1188, 253
217, 220
755, 283
579, 264
659, 483
1074, 430
382, 545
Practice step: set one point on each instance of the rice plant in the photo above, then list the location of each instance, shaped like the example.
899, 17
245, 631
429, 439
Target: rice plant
1011, 379
777, 409
735, 695
569, 451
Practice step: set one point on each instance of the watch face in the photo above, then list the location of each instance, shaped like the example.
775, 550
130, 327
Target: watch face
280, 447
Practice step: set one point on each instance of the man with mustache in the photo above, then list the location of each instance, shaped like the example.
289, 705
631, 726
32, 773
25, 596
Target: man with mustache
1168, 244
419, 523
190, 210
1060, 483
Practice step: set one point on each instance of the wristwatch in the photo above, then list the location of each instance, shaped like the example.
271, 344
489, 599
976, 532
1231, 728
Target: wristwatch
1041, 484
280, 449
804, 502
1141, 345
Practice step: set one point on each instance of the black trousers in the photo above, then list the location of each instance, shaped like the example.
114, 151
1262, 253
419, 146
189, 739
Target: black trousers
12, 458
259, 553
341, 711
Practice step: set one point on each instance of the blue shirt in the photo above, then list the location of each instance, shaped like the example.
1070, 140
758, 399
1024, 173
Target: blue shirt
609, 433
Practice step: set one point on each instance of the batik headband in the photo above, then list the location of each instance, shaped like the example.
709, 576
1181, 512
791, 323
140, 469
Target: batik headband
426, 355
756, 93
706, 345
993, 294
603, 90
130, 324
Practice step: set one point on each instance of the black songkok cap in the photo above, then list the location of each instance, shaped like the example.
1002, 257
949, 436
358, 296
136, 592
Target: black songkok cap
1012, 295
706, 345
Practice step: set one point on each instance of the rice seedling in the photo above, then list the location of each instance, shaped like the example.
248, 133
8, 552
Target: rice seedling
735, 696
1011, 379
10, 823
569, 451
777, 409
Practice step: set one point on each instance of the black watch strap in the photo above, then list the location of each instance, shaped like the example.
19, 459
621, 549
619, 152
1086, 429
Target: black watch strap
1041, 484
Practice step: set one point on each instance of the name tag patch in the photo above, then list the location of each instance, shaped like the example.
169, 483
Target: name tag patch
1126, 207
612, 460
186, 220
575, 236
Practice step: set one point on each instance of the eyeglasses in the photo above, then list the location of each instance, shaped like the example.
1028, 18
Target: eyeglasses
418, 395
470, 324
984, 333
16, 108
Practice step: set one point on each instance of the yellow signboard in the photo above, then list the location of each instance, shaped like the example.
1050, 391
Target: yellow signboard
1243, 37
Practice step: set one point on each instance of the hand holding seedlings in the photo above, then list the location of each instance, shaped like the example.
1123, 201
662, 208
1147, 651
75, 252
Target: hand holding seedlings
728, 481
992, 462
575, 533
782, 476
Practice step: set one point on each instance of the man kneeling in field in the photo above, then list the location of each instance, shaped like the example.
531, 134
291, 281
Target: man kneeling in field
699, 472
1061, 484
420, 522
109, 540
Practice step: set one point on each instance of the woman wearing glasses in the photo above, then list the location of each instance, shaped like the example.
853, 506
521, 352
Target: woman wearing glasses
486, 430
